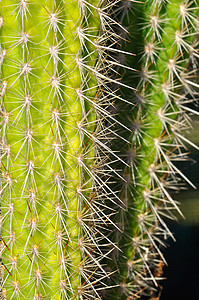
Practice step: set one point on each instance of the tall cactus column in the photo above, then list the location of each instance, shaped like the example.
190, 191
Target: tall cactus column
47, 247
163, 38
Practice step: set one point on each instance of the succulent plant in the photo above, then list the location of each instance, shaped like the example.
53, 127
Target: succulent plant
95, 96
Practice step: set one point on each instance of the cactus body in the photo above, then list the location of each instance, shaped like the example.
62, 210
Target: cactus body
165, 44
44, 239
94, 98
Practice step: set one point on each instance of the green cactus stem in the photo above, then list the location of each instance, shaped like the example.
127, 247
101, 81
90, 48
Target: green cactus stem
47, 246
163, 35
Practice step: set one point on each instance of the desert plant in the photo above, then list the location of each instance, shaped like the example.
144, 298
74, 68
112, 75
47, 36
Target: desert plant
94, 98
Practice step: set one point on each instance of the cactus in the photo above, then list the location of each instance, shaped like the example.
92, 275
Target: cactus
94, 98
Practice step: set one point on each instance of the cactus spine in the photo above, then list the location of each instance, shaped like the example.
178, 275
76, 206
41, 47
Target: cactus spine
93, 101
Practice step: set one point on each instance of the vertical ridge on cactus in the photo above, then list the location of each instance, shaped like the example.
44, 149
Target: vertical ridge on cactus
94, 98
